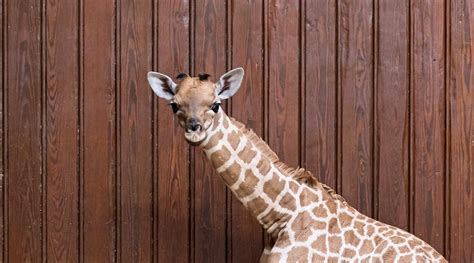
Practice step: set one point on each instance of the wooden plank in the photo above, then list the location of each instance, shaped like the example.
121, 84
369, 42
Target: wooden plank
356, 91
99, 132
391, 131
247, 43
3, 200
172, 151
210, 191
61, 131
283, 52
461, 102
23, 81
136, 131
429, 119
320, 90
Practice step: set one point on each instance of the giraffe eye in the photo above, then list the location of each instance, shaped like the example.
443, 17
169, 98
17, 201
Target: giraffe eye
174, 106
215, 107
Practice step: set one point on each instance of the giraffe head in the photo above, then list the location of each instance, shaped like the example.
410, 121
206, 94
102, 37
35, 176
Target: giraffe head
195, 100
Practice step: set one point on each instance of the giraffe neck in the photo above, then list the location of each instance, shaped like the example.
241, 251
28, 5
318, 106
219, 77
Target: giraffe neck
272, 196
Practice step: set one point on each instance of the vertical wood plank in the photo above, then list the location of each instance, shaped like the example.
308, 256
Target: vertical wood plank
247, 107
429, 120
136, 131
172, 174
356, 87
283, 101
99, 132
210, 191
24, 131
61, 131
461, 91
391, 131
3, 186
320, 98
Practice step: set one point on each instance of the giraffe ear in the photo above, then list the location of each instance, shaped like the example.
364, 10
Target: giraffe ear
229, 83
163, 86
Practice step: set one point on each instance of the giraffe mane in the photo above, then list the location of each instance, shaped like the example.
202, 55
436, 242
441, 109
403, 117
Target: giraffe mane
299, 174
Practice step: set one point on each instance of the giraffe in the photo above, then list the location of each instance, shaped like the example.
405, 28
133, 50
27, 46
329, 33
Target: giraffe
306, 219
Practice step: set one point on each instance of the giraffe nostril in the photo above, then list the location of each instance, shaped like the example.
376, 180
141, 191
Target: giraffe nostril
193, 125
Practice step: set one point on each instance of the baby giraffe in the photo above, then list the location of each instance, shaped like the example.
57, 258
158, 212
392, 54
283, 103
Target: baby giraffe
306, 219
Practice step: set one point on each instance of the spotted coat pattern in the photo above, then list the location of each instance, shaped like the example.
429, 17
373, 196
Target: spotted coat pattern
307, 222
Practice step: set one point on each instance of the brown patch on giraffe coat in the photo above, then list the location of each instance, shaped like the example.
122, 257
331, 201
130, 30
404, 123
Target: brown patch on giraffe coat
320, 211
370, 230
349, 253
335, 244
301, 222
333, 226
225, 123
302, 236
404, 249
351, 238
283, 240
380, 247
220, 157
320, 244
231, 174
308, 197
319, 225
345, 219
359, 227
406, 258
366, 247
317, 258
298, 254
257, 206
294, 187
234, 139
247, 154
390, 254
414, 243
332, 206
288, 202
263, 166
273, 187
248, 185
214, 140
398, 240
333, 259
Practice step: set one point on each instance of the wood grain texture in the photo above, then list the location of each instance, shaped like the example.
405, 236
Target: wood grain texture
284, 93
392, 112
320, 90
172, 170
61, 131
247, 45
3, 184
209, 189
428, 93
99, 132
461, 102
136, 131
23, 81
356, 80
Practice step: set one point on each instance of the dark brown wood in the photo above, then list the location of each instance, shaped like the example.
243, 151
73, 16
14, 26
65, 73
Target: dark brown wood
172, 169
428, 93
136, 135
320, 99
61, 131
392, 112
356, 86
461, 103
284, 92
24, 106
99, 132
247, 45
209, 190
3, 184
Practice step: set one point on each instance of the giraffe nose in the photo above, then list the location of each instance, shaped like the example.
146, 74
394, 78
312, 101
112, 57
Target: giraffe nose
193, 125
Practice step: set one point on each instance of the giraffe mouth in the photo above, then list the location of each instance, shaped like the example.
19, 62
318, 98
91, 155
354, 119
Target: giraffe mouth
195, 137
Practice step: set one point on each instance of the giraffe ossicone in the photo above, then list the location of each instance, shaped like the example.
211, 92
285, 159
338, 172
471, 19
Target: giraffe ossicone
307, 220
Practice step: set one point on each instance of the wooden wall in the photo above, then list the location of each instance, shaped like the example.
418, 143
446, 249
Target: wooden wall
375, 97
